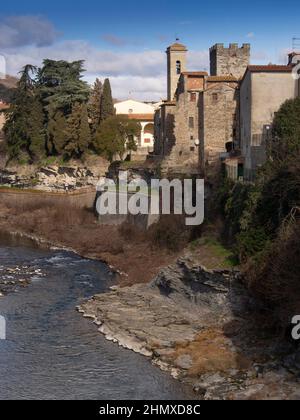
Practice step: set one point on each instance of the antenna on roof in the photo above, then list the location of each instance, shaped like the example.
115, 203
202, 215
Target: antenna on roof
295, 43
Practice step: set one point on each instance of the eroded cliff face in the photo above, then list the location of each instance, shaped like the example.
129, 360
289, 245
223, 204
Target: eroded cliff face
54, 177
198, 325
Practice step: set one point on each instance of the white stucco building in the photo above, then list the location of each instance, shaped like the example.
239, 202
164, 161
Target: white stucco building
144, 113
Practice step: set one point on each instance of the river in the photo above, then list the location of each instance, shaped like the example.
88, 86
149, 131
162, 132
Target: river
51, 351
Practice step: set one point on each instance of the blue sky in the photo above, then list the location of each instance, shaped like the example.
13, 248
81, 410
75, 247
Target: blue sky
126, 40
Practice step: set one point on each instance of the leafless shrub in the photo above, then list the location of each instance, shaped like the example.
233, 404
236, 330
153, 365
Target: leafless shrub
130, 232
276, 279
56, 210
170, 233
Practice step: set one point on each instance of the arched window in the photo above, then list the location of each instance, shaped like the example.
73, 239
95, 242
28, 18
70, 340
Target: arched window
178, 67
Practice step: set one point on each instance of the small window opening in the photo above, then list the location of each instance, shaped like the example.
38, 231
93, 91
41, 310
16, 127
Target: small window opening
193, 97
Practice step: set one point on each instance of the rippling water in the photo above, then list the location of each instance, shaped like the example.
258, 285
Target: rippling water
52, 352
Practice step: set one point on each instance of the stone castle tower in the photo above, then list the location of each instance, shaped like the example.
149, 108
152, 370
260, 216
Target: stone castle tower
229, 61
176, 54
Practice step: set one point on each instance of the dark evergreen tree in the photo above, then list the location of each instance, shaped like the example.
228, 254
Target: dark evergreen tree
85, 131
107, 104
49, 114
24, 127
116, 136
79, 137
61, 85
36, 130
286, 131
15, 129
94, 107
57, 133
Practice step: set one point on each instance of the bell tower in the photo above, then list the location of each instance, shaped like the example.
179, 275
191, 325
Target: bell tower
176, 55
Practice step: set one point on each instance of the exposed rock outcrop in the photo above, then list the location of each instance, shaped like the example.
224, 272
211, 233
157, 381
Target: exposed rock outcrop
13, 278
52, 178
195, 324
66, 177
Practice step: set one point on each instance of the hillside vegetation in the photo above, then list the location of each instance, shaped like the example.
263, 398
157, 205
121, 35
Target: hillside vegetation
53, 112
263, 220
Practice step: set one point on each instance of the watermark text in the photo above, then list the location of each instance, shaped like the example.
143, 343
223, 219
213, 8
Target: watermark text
296, 329
2, 328
158, 197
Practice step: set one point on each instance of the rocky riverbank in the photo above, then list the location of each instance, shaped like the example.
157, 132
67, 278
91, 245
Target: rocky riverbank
54, 177
198, 324
201, 325
16, 277
53, 222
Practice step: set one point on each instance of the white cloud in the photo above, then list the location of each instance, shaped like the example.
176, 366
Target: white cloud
142, 73
17, 31
136, 87
250, 35
283, 55
259, 56
145, 63
198, 60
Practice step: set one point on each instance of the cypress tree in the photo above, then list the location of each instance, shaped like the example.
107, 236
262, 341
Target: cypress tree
36, 131
72, 149
57, 134
85, 131
107, 105
95, 105
78, 132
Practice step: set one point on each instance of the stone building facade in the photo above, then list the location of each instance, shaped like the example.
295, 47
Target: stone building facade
263, 90
229, 61
225, 117
219, 121
185, 153
179, 130
164, 128
204, 115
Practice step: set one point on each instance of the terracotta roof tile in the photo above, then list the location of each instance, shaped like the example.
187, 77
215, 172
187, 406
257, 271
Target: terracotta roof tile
195, 73
177, 47
222, 79
142, 117
169, 103
270, 68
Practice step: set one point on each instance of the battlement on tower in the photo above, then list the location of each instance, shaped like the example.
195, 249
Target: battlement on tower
232, 60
